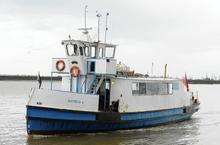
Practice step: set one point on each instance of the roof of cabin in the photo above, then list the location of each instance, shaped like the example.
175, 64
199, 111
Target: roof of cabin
148, 79
89, 43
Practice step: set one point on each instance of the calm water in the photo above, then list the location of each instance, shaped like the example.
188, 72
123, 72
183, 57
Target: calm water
202, 129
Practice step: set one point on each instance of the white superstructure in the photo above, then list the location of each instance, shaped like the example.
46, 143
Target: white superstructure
93, 81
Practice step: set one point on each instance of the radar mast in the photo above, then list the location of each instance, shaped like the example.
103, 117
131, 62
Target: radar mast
98, 15
106, 25
85, 30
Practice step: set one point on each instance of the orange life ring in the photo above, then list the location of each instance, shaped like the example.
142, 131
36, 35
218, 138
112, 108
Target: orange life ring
60, 65
74, 71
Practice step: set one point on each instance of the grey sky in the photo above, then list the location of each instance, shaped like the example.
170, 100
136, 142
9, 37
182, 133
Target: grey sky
185, 34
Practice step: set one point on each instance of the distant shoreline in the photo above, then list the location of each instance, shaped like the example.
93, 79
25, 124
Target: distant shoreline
26, 78
203, 81
47, 78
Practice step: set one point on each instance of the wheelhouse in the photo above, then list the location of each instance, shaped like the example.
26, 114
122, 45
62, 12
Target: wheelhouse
88, 49
89, 68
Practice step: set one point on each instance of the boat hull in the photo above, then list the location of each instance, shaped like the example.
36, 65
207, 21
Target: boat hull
55, 121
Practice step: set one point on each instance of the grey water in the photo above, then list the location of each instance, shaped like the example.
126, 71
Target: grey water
202, 129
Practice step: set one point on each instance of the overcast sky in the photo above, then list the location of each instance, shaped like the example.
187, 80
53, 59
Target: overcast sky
184, 34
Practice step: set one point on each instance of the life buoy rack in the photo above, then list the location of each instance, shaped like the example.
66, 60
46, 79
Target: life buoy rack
74, 71
60, 65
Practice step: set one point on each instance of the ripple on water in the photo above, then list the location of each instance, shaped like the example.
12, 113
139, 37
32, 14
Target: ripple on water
203, 128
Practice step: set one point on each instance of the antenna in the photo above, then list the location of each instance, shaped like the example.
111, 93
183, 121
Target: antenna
152, 68
165, 71
85, 29
98, 15
85, 15
69, 37
106, 27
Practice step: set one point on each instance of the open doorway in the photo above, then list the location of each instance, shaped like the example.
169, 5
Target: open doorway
104, 95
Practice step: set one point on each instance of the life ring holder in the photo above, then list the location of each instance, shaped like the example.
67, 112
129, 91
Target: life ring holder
60, 65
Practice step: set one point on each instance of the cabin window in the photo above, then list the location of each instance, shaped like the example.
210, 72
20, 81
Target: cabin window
164, 88
135, 88
175, 86
109, 52
152, 88
81, 51
159, 89
170, 89
72, 50
86, 51
142, 88
92, 51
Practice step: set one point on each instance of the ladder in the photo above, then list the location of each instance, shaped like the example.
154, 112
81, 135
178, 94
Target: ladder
95, 85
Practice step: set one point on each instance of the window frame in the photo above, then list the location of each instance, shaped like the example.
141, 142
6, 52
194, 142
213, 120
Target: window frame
135, 92
170, 84
92, 66
108, 50
81, 51
100, 52
75, 47
145, 86
86, 50
93, 48
153, 90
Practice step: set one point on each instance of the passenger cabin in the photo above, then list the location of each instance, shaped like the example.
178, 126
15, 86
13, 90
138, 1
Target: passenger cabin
141, 94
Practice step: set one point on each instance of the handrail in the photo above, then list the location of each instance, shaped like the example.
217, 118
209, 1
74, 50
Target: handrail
99, 84
59, 58
31, 95
90, 86
81, 87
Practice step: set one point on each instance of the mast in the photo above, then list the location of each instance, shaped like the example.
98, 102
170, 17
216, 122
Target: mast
98, 15
152, 69
85, 30
85, 15
165, 71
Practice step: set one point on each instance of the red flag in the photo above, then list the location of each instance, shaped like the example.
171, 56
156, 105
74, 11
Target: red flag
186, 82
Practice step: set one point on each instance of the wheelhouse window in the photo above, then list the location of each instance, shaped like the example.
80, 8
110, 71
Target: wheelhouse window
109, 52
86, 51
72, 49
100, 55
81, 51
92, 51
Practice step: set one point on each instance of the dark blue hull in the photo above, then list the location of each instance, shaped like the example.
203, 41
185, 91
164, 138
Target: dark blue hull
54, 121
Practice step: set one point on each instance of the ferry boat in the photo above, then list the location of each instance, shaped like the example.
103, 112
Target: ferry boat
99, 95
